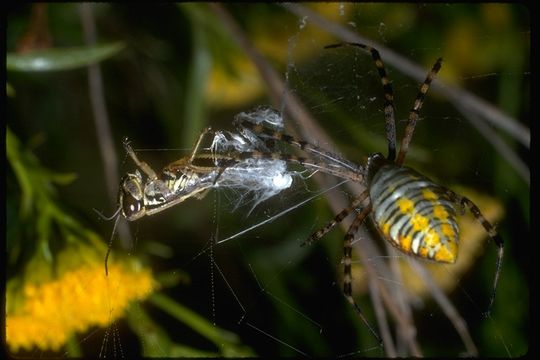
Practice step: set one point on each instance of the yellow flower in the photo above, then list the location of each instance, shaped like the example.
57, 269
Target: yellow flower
48, 313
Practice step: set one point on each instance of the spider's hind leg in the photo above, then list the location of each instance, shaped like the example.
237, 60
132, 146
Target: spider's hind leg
490, 229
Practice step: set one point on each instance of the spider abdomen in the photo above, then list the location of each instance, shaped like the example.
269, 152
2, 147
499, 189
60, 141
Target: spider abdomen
414, 214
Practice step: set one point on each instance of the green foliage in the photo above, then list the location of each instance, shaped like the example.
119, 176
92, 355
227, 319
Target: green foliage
37, 195
58, 59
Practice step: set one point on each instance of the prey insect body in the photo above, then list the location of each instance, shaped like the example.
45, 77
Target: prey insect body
150, 192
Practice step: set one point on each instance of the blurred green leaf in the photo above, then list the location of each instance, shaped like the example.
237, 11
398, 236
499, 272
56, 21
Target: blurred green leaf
73, 348
157, 340
226, 341
61, 58
60, 179
172, 278
35, 180
14, 157
158, 343
178, 351
10, 91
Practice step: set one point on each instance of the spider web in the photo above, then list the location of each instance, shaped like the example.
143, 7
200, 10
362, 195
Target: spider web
257, 273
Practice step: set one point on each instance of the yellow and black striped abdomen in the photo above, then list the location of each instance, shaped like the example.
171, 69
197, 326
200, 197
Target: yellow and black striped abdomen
414, 214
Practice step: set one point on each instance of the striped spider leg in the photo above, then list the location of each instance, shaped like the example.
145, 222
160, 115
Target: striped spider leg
330, 162
321, 160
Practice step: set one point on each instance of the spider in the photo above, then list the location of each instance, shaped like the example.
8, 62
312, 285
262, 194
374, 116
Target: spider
413, 213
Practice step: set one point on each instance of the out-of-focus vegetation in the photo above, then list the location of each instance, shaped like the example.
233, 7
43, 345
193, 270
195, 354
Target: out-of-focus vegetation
170, 70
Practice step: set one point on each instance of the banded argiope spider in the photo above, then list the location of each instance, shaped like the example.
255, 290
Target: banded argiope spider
411, 212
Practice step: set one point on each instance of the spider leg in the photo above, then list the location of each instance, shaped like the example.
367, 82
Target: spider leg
413, 114
388, 95
261, 130
337, 219
347, 250
347, 273
338, 171
490, 229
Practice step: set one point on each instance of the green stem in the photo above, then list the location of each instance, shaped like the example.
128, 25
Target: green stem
199, 324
